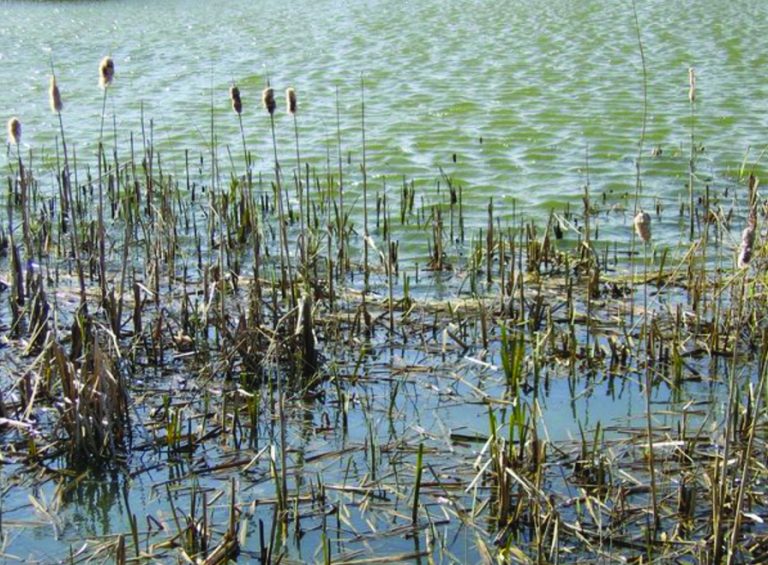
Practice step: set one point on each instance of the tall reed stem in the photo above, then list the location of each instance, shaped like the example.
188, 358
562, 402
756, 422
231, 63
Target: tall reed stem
285, 259
341, 223
692, 159
648, 391
364, 168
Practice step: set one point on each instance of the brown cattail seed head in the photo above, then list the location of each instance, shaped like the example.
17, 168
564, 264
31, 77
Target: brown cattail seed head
691, 85
643, 226
234, 96
106, 72
55, 97
268, 99
14, 131
290, 100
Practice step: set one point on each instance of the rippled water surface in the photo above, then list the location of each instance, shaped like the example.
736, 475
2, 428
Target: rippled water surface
524, 94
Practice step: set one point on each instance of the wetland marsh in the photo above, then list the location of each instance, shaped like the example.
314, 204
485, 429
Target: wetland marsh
419, 319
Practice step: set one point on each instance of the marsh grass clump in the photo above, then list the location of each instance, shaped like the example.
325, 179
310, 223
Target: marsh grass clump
94, 413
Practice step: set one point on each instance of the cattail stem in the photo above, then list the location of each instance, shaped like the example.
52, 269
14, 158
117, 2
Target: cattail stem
364, 169
24, 204
291, 108
57, 106
245, 151
691, 162
106, 74
103, 112
341, 223
648, 391
285, 260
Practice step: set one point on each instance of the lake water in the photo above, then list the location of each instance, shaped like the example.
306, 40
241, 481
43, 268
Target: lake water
524, 102
524, 94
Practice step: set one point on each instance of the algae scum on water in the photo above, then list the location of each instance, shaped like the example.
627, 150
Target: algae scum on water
209, 360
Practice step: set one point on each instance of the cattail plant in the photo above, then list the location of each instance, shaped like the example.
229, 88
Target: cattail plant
106, 76
291, 108
642, 224
14, 136
54, 97
268, 101
237, 107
